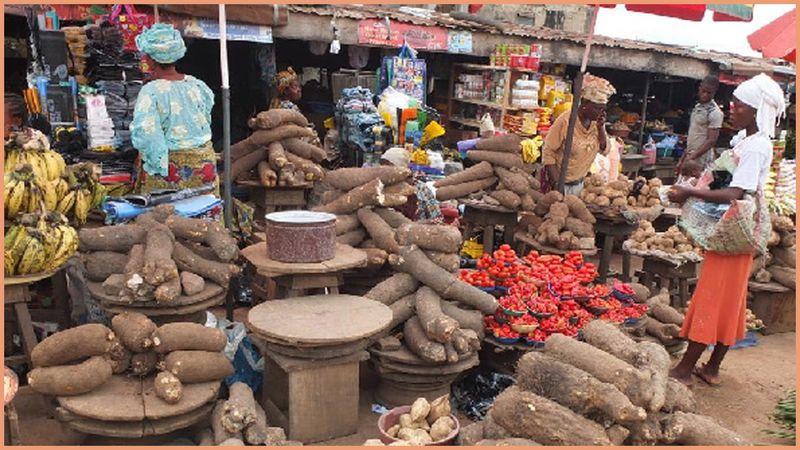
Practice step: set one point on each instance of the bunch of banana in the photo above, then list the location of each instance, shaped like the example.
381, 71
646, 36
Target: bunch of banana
31, 147
83, 192
24, 192
38, 243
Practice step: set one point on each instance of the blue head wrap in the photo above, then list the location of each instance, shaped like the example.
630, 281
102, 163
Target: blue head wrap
162, 42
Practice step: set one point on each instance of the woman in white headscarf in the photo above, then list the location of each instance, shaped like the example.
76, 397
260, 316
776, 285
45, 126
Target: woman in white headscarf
716, 315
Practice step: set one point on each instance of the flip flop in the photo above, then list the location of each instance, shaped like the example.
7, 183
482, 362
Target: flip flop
686, 382
698, 371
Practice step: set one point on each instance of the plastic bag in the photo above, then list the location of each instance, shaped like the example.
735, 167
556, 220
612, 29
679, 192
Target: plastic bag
475, 393
390, 100
487, 126
248, 365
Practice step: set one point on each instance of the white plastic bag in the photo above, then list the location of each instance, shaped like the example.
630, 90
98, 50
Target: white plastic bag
487, 126
390, 100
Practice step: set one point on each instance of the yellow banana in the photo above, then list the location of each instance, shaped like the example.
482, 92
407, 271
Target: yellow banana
35, 198
18, 248
50, 165
12, 158
10, 237
8, 264
66, 203
48, 194
9, 182
33, 259
98, 194
83, 201
62, 188
14, 200
51, 239
67, 246
60, 163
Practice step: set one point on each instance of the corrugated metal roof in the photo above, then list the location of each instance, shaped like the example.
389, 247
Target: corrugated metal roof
433, 18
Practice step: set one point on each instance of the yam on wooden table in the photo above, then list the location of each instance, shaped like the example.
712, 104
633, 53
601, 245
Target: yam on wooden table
206, 232
116, 238
266, 175
196, 366
509, 143
304, 149
351, 177
143, 364
72, 379
479, 171
413, 261
195, 396
402, 310
376, 258
785, 256
134, 330
168, 291
188, 336
191, 283
381, 233
239, 410
514, 180
210, 291
450, 262
525, 414
468, 319
607, 368
352, 238
119, 357
436, 324
240, 167
114, 284
785, 276
368, 194
454, 191
100, 265
394, 218
346, 223
438, 238
261, 138
135, 288
401, 188
168, 387
336, 319
507, 160
73, 344
276, 155
257, 432
272, 118
418, 342
507, 198
217, 272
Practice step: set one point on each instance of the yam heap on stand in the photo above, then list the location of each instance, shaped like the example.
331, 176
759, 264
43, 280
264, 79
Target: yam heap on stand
778, 265
560, 222
163, 265
608, 390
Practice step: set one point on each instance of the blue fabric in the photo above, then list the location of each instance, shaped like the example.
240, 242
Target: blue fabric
162, 42
122, 211
245, 361
170, 115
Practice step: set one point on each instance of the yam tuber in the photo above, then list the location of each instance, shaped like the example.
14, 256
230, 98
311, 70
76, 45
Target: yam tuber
610, 339
655, 360
514, 179
376, 258
262, 138
346, 223
352, 177
114, 284
438, 326
648, 432
257, 432
195, 366
368, 194
525, 414
507, 160
440, 407
442, 428
381, 233
73, 344
678, 397
272, 118
392, 288
158, 265
142, 364
134, 330
784, 276
116, 238
527, 203
175, 336
217, 272
239, 409
304, 149
119, 356
451, 192
395, 219
664, 313
417, 341
508, 142
401, 188
783, 256
352, 238
543, 206
605, 367
506, 198
220, 433
241, 167
467, 319
100, 265
266, 175
438, 238
477, 172
394, 200
579, 228
206, 232
574, 388
447, 261
402, 310
73, 379
311, 170
168, 387
666, 333
168, 291
192, 283
413, 261
693, 429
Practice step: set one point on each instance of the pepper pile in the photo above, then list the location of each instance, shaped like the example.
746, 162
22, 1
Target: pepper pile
548, 294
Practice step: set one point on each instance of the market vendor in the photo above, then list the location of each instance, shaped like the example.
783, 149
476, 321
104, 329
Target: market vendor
288, 89
704, 125
589, 138
716, 315
171, 125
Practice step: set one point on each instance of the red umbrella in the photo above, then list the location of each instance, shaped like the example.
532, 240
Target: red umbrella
778, 39
695, 12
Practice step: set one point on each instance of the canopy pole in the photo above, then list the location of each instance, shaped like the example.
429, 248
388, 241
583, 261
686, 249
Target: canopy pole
576, 102
226, 117
644, 108
155, 13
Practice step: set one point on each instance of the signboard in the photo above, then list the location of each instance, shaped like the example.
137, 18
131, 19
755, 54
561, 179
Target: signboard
459, 41
209, 29
375, 32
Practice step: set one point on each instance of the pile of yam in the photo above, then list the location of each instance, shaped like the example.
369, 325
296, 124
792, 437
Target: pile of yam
561, 222
81, 359
644, 193
159, 257
499, 177
608, 390
645, 240
426, 423
662, 324
612, 197
778, 265
279, 152
347, 190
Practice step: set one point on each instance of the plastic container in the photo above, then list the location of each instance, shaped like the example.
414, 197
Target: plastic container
301, 236
649, 151
392, 418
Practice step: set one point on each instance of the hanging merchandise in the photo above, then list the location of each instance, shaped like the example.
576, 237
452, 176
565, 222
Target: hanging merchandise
358, 56
130, 23
406, 73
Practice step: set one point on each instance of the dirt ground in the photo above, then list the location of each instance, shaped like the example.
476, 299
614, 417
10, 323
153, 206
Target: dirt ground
754, 380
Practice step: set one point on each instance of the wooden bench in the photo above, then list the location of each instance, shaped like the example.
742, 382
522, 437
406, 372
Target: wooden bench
486, 218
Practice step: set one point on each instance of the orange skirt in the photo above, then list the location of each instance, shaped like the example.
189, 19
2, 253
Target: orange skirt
717, 311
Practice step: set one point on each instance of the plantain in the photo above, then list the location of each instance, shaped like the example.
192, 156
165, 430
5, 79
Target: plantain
18, 247
12, 159
48, 195
14, 199
61, 187
98, 194
83, 200
8, 264
35, 198
66, 203
66, 247
33, 259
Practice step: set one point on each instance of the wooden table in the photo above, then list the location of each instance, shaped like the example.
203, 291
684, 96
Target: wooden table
127, 407
16, 293
487, 217
658, 273
631, 164
315, 400
524, 242
774, 304
276, 198
667, 219
611, 229
298, 279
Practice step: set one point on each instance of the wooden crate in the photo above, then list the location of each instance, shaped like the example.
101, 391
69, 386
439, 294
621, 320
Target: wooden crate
774, 305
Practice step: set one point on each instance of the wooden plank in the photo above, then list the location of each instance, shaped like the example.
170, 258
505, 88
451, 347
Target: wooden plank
160, 312
346, 258
211, 290
776, 310
195, 395
118, 399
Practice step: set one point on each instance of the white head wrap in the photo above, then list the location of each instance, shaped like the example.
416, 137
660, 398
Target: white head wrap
766, 96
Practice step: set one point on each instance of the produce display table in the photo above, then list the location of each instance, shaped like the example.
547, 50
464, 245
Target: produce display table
631, 164
298, 279
524, 243
185, 308
610, 229
774, 304
17, 294
658, 273
312, 348
127, 407
487, 217
667, 219
276, 198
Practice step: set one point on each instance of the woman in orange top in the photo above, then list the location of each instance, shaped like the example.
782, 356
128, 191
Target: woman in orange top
716, 315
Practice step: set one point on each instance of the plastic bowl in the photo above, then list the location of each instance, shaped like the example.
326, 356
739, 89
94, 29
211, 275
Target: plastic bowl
392, 417
524, 328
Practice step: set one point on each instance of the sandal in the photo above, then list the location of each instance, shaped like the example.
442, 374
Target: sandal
709, 380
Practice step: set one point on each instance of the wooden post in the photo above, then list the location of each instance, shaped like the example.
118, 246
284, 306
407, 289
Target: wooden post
644, 108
